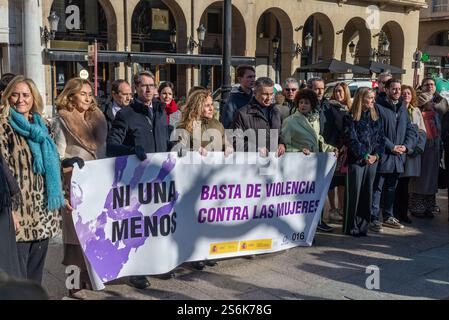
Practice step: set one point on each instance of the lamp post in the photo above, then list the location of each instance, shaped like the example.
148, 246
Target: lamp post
47, 35
227, 45
276, 57
173, 39
385, 47
201, 34
297, 49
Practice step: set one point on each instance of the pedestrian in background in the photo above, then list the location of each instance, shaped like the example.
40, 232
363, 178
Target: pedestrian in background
121, 97
423, 189
166, 95
240, 96
290, 89
340, 103
413, 162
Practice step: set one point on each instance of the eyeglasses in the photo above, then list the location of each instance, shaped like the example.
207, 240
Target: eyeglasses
290, 89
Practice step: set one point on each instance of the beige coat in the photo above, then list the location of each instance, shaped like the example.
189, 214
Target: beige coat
83, 137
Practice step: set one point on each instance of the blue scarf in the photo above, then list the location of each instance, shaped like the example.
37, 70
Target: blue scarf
45, 155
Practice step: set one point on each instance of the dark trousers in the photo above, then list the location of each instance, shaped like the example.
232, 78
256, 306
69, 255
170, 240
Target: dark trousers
384, 186
358, 199
401, 199
32, 259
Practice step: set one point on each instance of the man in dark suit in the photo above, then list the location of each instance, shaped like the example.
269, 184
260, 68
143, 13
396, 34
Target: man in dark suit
139, 129
122, 96
400, 138
328, 128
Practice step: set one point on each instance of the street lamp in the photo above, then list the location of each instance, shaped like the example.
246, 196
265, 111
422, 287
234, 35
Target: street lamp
297, 49
173, 39
352, 49
47, 35
385, 47
201, 34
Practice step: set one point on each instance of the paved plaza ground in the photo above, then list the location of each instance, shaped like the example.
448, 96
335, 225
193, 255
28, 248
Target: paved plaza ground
413, 263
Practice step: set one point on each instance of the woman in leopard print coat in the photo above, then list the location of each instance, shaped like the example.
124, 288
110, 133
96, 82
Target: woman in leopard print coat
37, 215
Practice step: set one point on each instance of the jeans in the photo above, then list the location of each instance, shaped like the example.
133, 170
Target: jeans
384, 185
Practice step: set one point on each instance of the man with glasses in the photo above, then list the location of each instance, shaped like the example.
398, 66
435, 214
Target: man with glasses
381, 81
291, 87
139, 129
122, 95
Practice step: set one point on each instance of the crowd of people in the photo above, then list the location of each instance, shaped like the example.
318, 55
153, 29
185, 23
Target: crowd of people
389, 144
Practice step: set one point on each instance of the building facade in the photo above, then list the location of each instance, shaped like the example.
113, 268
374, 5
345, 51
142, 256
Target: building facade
154, 35
434, 37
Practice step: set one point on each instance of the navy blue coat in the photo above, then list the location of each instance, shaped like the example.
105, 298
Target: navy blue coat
398, 130
237, 100
132, 126
328, 123
364, 137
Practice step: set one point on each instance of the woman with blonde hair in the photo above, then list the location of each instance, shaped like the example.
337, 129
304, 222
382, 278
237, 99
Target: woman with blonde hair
199, 114
28, 148
366, 145
341, 103
199, 111
80, 133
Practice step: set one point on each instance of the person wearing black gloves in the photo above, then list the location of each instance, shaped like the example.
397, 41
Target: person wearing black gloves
140, 129
80, 134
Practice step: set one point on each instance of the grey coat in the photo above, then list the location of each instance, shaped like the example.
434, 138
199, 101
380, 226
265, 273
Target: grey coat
413, 163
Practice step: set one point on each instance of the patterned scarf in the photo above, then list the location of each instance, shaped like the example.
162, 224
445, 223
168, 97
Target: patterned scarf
430, 122
312, 116
45, 155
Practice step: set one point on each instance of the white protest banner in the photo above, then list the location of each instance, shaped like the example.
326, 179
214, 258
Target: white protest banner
147, 218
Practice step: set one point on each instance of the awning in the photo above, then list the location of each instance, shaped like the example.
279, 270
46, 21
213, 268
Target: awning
151, 58
378, 67
333, 66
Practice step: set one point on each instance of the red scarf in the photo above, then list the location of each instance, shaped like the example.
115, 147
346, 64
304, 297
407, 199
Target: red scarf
170, 108
431, 124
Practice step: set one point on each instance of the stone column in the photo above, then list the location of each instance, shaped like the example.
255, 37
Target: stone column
32, 48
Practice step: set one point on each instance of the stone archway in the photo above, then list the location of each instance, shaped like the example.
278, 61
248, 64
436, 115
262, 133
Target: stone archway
274, 23
180, 21
214, 40
356, 31
111, 18
321, 28
395, 35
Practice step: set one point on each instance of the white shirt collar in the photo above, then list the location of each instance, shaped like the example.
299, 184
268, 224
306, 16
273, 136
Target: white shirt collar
115, 108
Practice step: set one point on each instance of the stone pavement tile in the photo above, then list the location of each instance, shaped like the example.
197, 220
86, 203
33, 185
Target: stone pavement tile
431, 287
257, 295
54, 286
261, 277
217, 285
